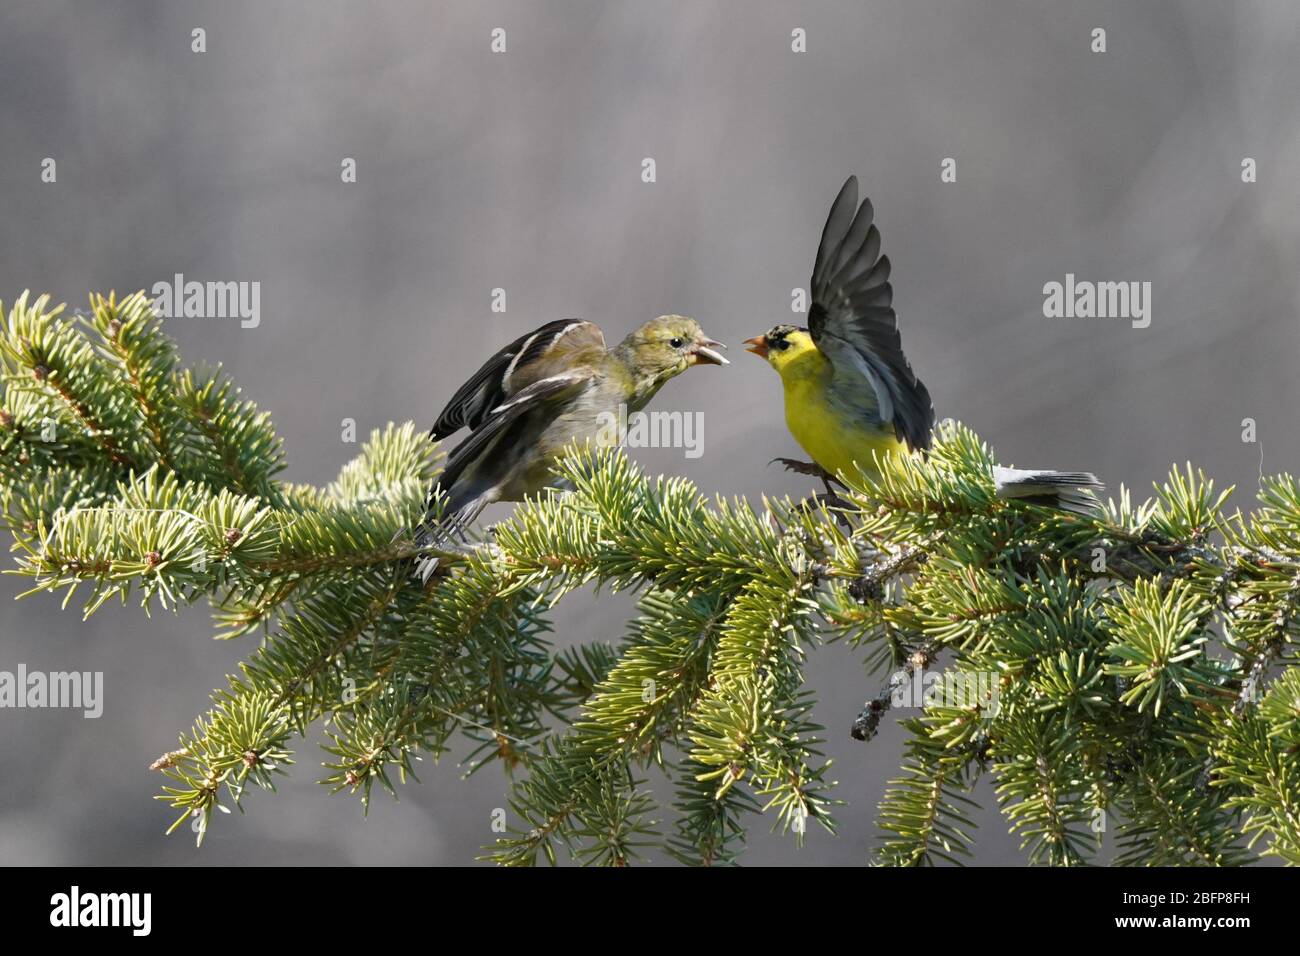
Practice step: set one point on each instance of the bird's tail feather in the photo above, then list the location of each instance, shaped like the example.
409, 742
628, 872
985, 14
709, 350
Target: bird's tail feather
1073, 491
442, 532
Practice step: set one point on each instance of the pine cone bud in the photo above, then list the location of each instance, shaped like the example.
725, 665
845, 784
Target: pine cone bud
114, 327
40, 373
5, 419
167, 760
153, 559
233, 535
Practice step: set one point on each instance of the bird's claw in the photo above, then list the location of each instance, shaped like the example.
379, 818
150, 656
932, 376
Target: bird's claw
832, 503
810, 468
801, 467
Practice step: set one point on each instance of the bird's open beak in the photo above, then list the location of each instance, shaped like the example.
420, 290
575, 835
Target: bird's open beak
706, 352
757, 345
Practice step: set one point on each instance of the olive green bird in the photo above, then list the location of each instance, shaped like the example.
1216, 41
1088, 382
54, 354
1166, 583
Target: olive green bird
850, 392
543, 391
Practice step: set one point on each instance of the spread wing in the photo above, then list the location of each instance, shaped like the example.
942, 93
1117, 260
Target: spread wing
513, 369
852, 319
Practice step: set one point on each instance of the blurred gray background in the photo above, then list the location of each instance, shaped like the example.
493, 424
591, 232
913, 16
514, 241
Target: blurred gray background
522, 170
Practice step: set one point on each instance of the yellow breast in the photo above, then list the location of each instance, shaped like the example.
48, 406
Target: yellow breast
834, 436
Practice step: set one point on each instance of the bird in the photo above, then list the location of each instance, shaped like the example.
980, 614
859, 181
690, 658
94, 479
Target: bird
545, 390
850, 392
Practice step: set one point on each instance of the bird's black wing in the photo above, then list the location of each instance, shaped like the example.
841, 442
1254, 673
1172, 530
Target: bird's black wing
852, 319
550, 391
484, 448
502, 375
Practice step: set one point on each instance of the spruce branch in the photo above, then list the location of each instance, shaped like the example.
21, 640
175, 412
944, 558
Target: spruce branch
1133, 671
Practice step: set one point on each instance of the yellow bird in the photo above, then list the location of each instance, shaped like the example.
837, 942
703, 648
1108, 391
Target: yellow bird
849, 389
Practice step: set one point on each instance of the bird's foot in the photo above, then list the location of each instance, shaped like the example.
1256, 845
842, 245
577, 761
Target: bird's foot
803, 467
830, 498
832, 503
810, 468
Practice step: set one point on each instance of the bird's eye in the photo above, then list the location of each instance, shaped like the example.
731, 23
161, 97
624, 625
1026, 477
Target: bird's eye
781, 345
675, 343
